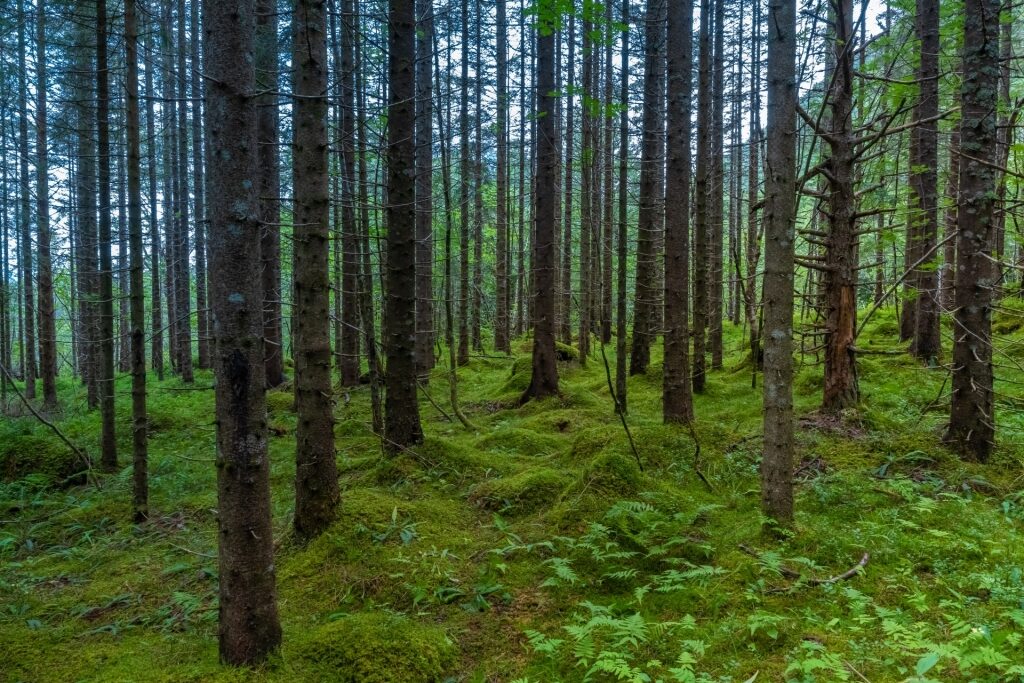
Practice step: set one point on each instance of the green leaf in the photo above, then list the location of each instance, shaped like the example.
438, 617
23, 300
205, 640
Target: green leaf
925, 664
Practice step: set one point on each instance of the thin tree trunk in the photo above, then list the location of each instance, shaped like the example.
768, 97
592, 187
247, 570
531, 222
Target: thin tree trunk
47, 323
425, 191
565, 321
156, 314
715, 271
501, 322
28, 324
108, 439
199, 192
947, 275
464, 190
183, 279
622, 248
703, 199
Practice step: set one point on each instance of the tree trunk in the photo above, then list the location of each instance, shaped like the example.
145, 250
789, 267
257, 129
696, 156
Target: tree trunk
608, 166
47, 323
140, 478
544, 379
402, 416
780, 211
715, 271
316, 478
840, 277
28, 325
268, 183
565, 321
622, 248
753, 175
108, 439
587, 153
947, 275
249, 625
183, 279
156, 314
704, 182
972, 413
501, 326
924, 180
464, 190
199, 190
677, 401
425, 191
650, 202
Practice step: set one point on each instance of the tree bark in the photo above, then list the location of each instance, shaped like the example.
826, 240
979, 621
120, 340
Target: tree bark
565, 321
47, 322
971, 429
702, 199
501, 322
780, 210
544, 378
401, 409
677, 401
108, 438
425, 191
249, 625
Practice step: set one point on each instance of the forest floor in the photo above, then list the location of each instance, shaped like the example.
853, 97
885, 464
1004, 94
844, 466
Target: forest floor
535, 549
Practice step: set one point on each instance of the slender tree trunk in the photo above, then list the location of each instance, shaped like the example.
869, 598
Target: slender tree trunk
715, 271
28, 325
348, 353
464, 190
316, 475
924, 180
402, 416
947, 275
565, 321
140, 477
544, 378
622, 247
501, 326
156, 304
972, 413
268, 184
249, 625
780, 211
609, 164
425, 191
183, 279
704, 212
840, 277
199, 192
108, 439
478, 197
587, 153
753, 231
47, 323
677, 401
650, 203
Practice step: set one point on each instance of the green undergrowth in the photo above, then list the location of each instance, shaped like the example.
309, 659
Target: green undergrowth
539, 547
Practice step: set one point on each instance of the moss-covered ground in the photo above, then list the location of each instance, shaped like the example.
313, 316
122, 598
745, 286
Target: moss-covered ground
536, 548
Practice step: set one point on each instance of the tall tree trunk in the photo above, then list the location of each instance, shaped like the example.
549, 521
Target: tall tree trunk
183, 278
753, 255
650, 202
501, 326
156, 304
565, 321
249, 625
268, 184
425, 191
544, 377
47, 323
587, 153
924, 180
972, 412
28, 325
349, 342
677, 401
947, 275
464, 190
609, 164
780, 212
715, 271
703, 199
140, 477
478, 197
840, 277
316, 474
199, 192
402, 415
622, 246
108, 439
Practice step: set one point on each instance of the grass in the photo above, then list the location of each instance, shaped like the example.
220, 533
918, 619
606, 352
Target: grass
536, 549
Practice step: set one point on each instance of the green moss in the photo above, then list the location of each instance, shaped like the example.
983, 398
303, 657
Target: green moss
25, 453
592, 441
566, 352
523, 492
612, 472
373, 647
281, 401
519, 441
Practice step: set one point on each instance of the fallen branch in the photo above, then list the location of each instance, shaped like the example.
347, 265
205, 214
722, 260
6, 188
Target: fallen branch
621, 412
793, 574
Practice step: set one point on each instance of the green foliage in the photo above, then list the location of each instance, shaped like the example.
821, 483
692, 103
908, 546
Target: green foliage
521, 493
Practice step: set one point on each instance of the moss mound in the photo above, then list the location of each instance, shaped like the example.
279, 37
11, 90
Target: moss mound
373, 647
612, 472
22, 454
520, 441
566, 352
523, 492
280, 401
592, 441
